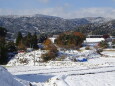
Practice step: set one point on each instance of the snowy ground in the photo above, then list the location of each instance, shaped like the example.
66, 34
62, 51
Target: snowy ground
110, 53
7, 79
97, 71
70, 55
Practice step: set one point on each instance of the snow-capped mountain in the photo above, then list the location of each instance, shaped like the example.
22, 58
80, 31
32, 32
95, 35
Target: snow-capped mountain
45, 24
98, 19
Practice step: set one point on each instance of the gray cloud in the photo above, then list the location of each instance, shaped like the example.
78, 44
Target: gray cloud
63, 12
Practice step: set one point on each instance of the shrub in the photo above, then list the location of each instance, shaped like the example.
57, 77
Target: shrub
23, 61
52, 54
50, 46
87, 48
48, 56
61, 58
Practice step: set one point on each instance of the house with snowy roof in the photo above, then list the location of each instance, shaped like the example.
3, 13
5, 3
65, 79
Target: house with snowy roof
93, 40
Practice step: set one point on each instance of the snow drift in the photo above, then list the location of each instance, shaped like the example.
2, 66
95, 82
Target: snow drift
6, 79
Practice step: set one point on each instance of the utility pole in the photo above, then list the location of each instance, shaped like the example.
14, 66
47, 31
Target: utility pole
34, 58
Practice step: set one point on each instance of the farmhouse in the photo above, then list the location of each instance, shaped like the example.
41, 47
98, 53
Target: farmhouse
53, 38
93, 41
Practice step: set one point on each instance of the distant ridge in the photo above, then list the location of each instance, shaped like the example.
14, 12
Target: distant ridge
45, 24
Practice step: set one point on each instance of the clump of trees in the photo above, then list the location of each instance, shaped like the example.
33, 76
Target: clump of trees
52, 51
29, 41
11, 46
6, 47
3, 47
72, 40
42, 38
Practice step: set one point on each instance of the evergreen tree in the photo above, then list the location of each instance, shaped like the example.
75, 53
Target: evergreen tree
21, 45
11, 47
42, 38
34, 41
3, 54
3, 32
3, 47
19, 38
29, 40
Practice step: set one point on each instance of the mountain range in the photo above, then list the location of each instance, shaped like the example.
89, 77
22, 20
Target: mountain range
49, 24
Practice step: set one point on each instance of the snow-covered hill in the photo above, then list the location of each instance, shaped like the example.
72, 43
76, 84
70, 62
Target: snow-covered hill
6, 79
98, 19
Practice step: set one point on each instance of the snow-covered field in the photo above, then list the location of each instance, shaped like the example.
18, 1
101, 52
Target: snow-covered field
109, 53
98, 71
95, 72
31, 57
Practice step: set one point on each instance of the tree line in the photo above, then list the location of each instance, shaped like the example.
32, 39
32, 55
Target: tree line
68, 40
29, 41
93, 29
3, 46
21, 43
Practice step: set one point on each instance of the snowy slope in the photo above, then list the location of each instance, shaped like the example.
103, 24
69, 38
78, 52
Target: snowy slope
26, 58
6, 79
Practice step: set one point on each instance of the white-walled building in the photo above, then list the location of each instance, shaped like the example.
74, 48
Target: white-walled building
52, 39
93, 41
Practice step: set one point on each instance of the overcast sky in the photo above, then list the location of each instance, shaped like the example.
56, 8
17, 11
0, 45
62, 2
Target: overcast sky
60, 8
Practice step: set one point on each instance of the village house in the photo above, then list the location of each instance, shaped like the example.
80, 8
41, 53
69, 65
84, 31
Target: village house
93, 40
53, 38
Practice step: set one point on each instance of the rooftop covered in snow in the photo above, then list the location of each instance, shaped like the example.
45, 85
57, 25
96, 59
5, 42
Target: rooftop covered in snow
93, 40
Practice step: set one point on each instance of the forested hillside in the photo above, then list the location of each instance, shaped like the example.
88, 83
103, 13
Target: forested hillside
50, 24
